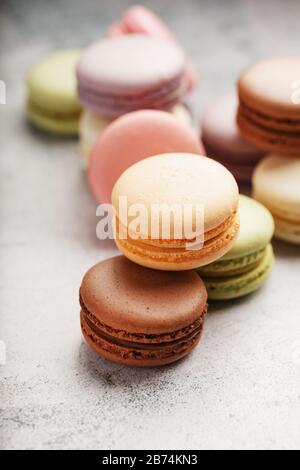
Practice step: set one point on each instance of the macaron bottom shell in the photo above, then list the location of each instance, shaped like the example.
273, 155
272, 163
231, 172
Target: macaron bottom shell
137, 354
53, 123
240, 285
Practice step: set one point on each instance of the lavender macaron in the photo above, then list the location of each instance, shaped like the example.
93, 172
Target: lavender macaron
127, 73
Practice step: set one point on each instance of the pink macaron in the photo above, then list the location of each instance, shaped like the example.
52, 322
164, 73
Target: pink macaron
127, 73
132, 138
223, 141
140, 20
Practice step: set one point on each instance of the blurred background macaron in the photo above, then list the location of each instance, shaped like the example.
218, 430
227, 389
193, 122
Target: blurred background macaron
141, 317
224, 142
276, 184
248, 264
52, 103
131, 138
268, 115
204, 196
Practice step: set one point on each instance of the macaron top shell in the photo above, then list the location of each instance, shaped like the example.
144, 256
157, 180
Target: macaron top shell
182, 179
277, 182
51, 82
220, 131
130, 64
268, 85
256, 229
128, 297
132, 138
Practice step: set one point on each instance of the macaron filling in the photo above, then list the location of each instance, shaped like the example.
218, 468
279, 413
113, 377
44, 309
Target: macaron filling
164, 97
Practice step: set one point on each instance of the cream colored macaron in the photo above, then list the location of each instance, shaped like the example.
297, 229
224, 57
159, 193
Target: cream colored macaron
91, 127
160, 225
276, 183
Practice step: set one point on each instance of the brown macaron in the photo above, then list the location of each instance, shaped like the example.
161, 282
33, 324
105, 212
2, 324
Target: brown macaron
140, 317
269, 112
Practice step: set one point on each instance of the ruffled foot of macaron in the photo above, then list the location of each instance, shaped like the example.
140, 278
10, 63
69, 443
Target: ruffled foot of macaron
223, 141
91, 127
268, 115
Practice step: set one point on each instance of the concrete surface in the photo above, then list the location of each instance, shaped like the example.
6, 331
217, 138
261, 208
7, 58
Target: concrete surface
241, 387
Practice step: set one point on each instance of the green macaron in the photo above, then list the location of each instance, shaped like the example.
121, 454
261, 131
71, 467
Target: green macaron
52, 103
249, 263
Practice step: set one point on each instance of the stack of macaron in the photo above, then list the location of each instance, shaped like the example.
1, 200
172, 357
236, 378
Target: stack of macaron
269, 117
138, 65
185, 234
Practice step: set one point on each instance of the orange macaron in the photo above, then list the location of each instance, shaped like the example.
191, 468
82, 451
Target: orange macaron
176, 211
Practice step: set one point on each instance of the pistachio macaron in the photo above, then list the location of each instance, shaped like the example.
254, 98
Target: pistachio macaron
52, 103
276, 184
249, 263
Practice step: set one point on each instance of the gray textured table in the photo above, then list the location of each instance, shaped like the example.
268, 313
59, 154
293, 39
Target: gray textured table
241, 387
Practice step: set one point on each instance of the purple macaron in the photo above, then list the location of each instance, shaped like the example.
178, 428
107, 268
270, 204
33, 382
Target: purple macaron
223, 141
127, 73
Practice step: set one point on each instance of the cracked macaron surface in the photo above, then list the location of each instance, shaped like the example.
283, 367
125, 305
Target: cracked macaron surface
141, 317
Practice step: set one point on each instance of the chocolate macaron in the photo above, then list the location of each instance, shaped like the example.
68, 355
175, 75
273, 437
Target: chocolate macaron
269, 111
140, 317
